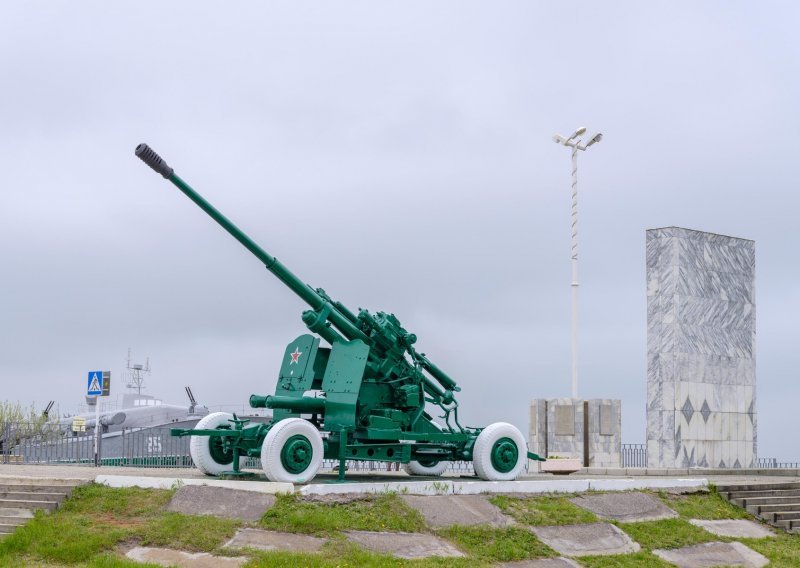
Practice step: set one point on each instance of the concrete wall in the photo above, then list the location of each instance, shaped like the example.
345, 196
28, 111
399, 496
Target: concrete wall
701, 382
556, 427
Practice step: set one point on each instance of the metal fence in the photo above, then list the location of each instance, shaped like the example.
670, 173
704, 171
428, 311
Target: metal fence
634, 455
773, 463
51, 444
22, 443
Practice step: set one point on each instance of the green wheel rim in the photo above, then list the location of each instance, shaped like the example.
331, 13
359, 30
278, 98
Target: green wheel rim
219, 453
296, 454
505, 455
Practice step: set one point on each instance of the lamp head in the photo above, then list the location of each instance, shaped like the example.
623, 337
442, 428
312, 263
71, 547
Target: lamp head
579, 132
558, 139
596, 138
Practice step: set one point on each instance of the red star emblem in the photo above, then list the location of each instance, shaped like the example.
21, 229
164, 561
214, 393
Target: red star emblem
295, 356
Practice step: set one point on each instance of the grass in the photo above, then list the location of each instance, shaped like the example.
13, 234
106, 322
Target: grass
783, 550
539, 511
497, 544
641, 559
88, 524
188, 532
91, 528
384, 512
342, 554
707, 506
667, 533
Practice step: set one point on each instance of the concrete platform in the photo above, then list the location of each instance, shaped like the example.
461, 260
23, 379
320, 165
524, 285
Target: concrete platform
453, 486
598, 479
593, 539
404, 545
153, 482
713, 554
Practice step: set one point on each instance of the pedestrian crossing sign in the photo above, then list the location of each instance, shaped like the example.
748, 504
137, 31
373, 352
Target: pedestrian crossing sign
94, 384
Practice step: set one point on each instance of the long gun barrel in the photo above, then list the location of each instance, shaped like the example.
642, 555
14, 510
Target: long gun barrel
308, 294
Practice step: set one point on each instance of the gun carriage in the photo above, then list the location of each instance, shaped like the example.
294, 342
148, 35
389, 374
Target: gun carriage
372, 391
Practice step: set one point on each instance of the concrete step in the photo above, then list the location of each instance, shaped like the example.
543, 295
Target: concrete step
784, 516
785, 525
7, 529
761, 509
41, 481
735, 495
32, 496
28, 504
35, 488
758, 487
754, 501
17, 521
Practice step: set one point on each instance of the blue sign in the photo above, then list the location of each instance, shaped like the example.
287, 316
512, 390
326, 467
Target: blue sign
94, 384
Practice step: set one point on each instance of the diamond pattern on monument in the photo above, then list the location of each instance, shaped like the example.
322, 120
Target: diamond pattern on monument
751, 410
705, 411
688, 410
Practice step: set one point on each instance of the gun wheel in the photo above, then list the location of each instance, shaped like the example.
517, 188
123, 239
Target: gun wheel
499, 453
425, 467
292, 451
208, 452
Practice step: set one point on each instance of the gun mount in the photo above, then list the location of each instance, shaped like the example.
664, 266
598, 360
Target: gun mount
371, 388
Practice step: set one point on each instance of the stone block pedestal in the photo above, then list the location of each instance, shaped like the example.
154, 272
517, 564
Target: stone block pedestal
575, 428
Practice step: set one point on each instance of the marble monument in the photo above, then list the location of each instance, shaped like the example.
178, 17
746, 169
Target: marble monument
701, 332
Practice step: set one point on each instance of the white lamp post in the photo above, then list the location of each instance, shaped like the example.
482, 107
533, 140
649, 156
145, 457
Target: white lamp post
576, 144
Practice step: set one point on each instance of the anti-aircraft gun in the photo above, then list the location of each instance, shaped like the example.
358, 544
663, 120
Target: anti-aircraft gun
371, 387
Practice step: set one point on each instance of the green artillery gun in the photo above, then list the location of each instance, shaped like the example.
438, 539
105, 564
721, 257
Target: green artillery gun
371, 389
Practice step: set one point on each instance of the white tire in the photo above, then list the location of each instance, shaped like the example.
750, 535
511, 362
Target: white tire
500, 452
292, 451
432, 468
208, 461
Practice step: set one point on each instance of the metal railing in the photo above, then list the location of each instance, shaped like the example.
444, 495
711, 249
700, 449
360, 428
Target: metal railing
21, 443
773, 463
634, 455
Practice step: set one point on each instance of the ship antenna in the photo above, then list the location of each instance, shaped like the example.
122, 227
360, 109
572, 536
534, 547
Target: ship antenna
136, 372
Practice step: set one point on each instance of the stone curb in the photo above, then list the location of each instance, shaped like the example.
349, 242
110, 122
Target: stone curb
447, 487
172, 482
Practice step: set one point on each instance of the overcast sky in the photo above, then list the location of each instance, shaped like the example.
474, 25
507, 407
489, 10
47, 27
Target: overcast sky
398, 155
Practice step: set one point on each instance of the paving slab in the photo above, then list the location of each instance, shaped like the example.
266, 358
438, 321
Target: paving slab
448, 510
275, 540
586, 540
403, 545
220, 502
713, 554
542, 563
740, 528
181, 559
625, 507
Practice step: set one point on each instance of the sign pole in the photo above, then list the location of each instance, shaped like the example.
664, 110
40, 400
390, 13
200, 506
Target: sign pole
97, 431
94, 388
